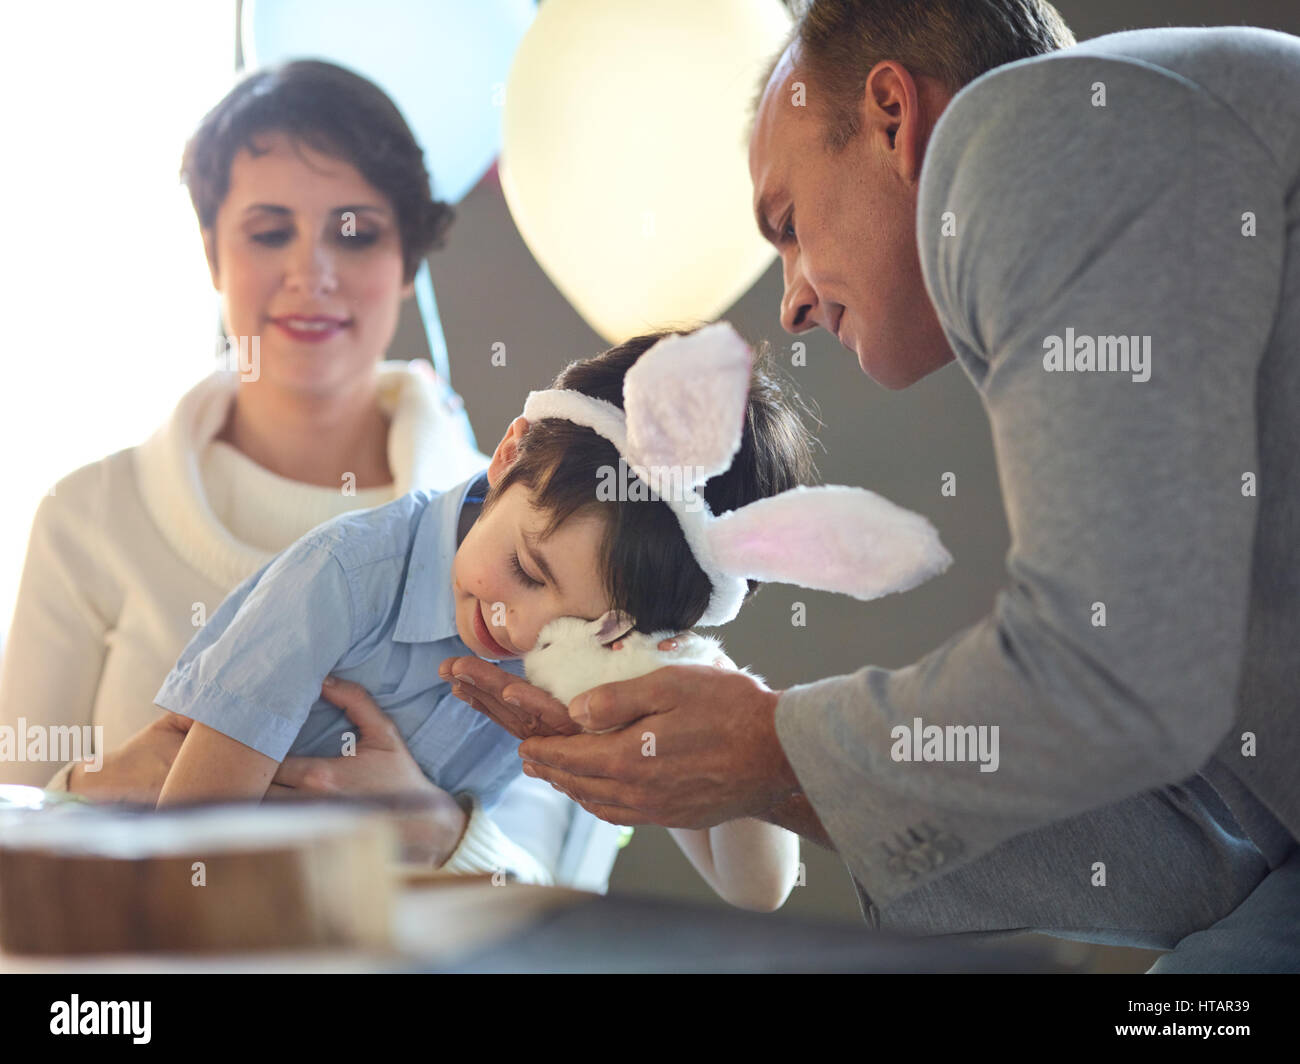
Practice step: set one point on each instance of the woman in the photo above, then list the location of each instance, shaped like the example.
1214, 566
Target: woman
315, 209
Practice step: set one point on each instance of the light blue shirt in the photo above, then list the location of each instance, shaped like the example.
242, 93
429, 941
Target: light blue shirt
365, 597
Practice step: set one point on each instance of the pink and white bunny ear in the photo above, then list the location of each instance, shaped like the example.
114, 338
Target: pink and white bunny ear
829, 538
685, 401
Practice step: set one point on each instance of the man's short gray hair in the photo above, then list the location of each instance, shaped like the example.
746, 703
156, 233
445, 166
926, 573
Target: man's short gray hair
953, 41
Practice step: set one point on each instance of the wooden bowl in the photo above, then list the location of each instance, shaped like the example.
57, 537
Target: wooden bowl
207, 878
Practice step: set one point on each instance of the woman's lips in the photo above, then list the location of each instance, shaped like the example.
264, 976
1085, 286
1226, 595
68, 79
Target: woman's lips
309, 328
485, 637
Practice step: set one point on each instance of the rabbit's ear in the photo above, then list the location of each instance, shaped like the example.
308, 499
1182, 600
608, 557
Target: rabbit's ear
830, 538
685, 401
612, 625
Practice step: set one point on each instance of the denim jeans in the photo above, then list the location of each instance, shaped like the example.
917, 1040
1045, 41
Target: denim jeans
1262, 934
1170, 869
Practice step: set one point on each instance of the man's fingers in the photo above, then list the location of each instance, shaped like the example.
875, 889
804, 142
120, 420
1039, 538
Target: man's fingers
362, 710
522, 721
520, 708
539, 713
616, 756
587, 791
616, 815
615, 705
478, 672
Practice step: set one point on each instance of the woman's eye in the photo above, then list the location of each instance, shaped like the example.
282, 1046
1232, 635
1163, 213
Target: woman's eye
273, 238
358, 240
523, 576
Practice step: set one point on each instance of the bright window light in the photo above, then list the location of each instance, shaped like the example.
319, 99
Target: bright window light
109, 311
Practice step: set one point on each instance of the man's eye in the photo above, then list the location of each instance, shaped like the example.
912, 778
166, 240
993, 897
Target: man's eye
523, 576
273, 238
787, 231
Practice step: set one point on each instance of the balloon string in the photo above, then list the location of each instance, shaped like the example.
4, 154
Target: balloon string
428, 305
438, 349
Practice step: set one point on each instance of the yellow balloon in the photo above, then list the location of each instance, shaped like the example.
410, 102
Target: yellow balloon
624, 160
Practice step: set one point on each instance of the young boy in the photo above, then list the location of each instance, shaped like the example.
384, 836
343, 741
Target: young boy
381, 597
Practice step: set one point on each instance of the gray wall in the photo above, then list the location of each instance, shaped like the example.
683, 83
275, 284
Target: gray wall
897, 443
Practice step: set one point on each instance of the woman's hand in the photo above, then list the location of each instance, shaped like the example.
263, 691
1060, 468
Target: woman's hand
135, 771
381, 765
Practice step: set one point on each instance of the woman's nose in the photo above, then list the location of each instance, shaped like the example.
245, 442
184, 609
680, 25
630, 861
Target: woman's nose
312, 269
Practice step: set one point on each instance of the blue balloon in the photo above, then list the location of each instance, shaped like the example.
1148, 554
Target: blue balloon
443, 62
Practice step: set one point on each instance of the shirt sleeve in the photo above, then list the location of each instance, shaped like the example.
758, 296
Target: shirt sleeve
254, 671
1110, 661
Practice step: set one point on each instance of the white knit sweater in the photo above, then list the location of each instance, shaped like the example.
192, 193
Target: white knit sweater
128, 554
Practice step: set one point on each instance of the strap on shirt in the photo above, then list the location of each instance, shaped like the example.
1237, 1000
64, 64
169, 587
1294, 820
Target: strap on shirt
469, 510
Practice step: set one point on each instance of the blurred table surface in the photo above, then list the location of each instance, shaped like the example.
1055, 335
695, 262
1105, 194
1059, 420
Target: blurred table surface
473, 926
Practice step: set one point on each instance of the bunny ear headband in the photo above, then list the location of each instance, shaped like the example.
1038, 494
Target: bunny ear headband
682, 420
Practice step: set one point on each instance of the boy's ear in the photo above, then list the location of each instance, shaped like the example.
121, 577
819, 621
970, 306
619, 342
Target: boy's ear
507, 450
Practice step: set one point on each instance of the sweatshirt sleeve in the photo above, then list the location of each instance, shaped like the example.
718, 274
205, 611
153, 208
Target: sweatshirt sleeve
55, 648
486, 848
1109, 663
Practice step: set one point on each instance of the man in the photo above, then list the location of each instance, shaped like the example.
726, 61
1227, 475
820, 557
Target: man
1107, 239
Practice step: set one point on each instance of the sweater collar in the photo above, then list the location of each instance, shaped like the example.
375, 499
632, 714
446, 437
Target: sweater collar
427, 448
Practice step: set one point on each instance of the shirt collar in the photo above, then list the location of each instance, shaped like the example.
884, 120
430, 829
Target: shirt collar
428, 611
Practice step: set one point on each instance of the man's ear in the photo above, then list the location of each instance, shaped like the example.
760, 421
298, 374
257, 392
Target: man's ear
507, 450
895, 118
210, 250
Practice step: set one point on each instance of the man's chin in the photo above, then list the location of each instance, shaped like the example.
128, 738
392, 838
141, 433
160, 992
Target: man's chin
891, 375
880, 373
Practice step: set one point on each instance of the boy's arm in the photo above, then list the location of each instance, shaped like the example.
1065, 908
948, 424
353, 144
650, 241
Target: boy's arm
749, 863
212, 766
253, 672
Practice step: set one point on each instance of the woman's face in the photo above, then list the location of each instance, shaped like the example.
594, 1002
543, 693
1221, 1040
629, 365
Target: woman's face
508, 583
307, 256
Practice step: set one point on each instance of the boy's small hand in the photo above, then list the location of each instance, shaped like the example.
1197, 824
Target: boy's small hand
523, 710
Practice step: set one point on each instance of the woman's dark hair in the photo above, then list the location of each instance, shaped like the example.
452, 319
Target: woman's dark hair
336, 112
646, 566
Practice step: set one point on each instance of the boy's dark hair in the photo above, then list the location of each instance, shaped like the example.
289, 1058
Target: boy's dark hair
647, 568
953, 41
336, 112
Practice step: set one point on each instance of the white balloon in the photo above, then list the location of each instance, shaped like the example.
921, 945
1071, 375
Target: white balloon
624, 160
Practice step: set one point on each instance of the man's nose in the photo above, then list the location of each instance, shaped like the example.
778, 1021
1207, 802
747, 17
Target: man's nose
798, 305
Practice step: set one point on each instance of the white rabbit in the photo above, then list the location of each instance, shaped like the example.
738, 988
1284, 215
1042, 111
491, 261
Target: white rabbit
573, 655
